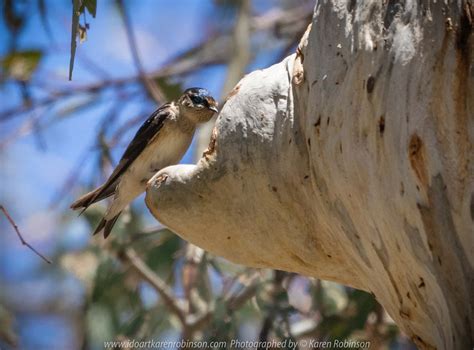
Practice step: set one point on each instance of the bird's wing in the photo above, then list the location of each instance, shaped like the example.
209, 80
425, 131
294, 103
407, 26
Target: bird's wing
144, 135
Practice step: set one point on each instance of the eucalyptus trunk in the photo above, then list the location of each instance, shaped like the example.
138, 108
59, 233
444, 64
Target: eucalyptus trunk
351, 161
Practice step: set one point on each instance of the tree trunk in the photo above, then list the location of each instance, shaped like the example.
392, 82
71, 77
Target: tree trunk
351, 161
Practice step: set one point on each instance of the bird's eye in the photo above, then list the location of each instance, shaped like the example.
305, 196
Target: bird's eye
197, 99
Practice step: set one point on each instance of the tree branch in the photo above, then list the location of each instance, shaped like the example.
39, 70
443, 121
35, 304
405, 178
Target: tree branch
22, 240
153, 90
316, 166
156, 282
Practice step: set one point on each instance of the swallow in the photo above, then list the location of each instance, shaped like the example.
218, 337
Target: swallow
161, 141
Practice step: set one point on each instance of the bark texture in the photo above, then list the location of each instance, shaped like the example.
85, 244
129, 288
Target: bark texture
351, 161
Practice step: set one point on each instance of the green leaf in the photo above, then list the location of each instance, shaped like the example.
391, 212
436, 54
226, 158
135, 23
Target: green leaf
108, 277
91, 6
99, 325
334, 298
161, 257
364, 303
21, 65
343, 324
131, 328
74, 29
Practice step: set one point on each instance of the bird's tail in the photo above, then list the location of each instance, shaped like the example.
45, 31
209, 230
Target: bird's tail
94, 196
106, 225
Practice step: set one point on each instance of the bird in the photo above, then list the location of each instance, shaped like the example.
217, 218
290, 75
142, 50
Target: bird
161, 141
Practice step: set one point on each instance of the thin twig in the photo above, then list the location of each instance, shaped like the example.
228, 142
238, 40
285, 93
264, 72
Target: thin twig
14, 225
150, 232
239, 298
92, 66
153, 90
160, 286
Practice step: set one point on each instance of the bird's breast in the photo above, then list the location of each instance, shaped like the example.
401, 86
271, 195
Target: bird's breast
167, 148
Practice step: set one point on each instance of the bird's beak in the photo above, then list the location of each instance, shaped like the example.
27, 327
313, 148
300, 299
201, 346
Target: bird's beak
212, 104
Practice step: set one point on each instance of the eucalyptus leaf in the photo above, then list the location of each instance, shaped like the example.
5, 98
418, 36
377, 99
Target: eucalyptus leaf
21, 65
74, 30
91, 6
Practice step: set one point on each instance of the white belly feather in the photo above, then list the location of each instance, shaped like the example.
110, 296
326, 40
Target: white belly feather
166, 149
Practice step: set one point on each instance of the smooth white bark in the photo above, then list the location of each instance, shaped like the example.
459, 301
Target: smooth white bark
350, 161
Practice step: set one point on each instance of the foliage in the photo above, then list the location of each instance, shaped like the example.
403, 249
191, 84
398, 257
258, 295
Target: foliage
77, 30
20, 65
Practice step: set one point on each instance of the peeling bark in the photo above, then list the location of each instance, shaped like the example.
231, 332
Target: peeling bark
350, 161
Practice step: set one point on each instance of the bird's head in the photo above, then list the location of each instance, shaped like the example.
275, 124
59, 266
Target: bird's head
197, 105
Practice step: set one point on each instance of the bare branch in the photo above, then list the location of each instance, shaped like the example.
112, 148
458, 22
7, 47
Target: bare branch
160, 286
238, 299
153, 90
15, 227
